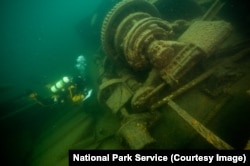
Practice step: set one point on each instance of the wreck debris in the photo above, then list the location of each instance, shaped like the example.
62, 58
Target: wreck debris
200, 78
135, 37
114, 18
202, 130
134, 128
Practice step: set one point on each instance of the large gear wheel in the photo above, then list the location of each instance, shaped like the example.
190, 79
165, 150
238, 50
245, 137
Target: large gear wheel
114, 18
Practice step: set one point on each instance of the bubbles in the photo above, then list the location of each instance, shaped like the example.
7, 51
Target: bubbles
81, 59
81, 64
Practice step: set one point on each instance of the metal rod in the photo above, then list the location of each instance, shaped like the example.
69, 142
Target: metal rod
212, 11
157, 89
202, 130
183, 89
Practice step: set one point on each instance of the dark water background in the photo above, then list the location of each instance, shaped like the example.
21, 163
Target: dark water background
40, 41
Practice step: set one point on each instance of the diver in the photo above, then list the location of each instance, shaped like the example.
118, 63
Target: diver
67, 89
70, 89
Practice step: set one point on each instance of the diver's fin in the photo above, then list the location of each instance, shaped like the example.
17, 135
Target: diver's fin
88, 95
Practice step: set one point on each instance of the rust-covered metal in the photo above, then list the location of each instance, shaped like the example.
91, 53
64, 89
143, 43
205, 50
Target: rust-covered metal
134, 35
113, 19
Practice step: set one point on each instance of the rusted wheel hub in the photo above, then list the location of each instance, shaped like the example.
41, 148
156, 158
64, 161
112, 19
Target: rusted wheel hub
127, 30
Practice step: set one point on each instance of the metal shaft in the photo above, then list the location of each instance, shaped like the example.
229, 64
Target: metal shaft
217, 142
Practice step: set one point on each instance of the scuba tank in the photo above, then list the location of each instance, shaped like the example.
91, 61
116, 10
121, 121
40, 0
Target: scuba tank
60, 84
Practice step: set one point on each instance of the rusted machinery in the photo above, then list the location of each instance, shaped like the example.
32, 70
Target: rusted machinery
137, 41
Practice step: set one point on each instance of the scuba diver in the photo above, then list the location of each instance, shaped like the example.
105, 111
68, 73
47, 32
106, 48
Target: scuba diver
70, 89
67, 89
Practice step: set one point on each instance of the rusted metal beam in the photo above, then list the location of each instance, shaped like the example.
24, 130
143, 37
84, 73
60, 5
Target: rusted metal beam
217, 142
